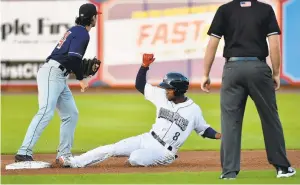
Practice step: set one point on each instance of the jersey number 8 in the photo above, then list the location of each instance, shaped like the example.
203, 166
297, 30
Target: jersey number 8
177, 134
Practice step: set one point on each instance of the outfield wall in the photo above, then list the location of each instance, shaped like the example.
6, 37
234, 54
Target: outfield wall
175, 32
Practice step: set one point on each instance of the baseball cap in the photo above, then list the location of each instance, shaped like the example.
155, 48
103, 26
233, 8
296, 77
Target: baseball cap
88, 10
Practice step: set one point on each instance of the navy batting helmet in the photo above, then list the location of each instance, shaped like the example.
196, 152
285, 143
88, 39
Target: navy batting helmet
176, 81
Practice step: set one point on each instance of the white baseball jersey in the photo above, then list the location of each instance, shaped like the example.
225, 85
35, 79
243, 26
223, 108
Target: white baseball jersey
174, 122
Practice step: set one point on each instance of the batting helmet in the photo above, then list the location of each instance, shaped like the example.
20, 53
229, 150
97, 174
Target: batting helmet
176, 81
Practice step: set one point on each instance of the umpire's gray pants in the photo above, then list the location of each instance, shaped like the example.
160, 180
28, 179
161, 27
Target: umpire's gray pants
240, 79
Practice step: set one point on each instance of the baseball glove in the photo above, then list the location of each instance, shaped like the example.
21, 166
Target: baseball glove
90, 66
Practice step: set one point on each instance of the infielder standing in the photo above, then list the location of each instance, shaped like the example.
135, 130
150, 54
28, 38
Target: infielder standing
176, 117
245, 25
53, 91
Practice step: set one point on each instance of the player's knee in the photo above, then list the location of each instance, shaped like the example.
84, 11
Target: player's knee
74, 114
46, 112
135, 160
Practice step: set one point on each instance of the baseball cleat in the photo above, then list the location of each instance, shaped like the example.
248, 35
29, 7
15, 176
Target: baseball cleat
21, 158
227, 178
285, 172
66, 162
230, 176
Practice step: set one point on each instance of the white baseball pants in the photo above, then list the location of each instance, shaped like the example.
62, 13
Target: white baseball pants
142, 150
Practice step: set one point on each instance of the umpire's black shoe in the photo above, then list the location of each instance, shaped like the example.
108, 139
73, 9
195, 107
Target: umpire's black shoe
285, 172
228, 176
20, 158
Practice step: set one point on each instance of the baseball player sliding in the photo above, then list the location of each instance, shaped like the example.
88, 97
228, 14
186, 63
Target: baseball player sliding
176, 117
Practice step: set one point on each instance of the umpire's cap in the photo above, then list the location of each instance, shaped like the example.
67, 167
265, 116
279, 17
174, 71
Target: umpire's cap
176, 81
88, 10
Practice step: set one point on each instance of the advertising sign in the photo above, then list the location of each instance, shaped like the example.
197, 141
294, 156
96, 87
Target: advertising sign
175, 32
290, 41
28, 36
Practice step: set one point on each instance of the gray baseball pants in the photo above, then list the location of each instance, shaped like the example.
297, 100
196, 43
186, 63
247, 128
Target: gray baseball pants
240, 80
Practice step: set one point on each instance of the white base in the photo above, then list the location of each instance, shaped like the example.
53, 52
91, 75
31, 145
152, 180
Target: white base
27, 165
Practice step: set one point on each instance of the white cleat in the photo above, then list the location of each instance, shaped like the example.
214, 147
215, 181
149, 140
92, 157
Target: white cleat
285, 173
67, 162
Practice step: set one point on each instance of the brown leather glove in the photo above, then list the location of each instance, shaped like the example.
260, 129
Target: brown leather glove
147, 59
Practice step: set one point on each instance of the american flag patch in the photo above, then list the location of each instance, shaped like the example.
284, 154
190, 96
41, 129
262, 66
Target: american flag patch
245, 3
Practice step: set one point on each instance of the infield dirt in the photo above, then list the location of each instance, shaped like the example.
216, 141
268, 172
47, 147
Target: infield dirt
188, 161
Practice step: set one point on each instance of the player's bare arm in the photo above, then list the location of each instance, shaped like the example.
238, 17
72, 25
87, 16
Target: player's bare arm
208, 61
274, 45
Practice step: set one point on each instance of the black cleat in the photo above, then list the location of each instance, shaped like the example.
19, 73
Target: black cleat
20, 158
228, 176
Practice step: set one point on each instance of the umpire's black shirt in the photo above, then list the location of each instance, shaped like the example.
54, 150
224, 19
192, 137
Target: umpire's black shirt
245, 26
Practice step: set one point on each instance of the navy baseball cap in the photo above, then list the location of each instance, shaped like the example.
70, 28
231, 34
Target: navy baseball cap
88, 10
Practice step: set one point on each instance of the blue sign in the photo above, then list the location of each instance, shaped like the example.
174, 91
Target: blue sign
291, 40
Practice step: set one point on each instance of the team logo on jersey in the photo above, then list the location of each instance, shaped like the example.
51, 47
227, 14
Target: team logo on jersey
173, 117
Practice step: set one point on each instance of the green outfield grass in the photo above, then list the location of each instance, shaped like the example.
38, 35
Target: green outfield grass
245, 177
104, 119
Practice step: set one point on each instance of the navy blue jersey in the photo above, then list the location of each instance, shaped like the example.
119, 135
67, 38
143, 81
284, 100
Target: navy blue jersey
73, 43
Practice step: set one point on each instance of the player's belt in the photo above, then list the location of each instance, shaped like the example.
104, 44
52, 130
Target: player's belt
59, 66
234, 59
160, 140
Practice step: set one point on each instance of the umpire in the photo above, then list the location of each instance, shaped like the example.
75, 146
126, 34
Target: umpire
245, 26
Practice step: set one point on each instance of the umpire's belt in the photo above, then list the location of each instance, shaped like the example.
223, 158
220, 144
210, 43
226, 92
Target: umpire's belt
160, 140
56, 64
232, 59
